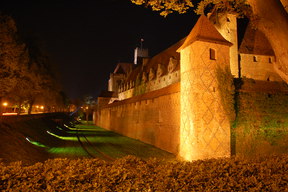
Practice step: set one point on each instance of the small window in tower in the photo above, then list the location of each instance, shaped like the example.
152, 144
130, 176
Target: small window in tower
228, 20
212, 54
255, 59
270, 60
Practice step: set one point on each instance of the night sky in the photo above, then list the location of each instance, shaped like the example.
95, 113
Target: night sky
86, 39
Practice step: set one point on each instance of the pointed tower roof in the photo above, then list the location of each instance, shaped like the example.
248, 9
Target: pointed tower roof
255, 42
204, 31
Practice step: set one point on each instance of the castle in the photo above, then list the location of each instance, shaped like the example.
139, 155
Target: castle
183, 99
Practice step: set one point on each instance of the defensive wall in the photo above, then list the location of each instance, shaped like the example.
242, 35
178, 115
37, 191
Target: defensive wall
260, 126
153, 117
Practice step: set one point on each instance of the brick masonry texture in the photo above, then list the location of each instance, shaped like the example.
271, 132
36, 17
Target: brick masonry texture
153, 118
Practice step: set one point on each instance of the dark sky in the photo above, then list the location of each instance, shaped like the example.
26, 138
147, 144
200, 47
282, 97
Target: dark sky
86, 38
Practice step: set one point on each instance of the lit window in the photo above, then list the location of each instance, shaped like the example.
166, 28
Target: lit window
212, 54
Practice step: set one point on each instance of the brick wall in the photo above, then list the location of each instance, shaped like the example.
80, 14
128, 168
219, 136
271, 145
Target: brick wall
153, 117
261, 126
258, 67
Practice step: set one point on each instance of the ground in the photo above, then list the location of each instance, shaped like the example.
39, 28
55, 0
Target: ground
107, 161
37, 140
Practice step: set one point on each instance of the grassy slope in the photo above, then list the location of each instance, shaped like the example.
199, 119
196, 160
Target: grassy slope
64, 144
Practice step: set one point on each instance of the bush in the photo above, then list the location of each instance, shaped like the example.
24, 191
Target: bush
134, 174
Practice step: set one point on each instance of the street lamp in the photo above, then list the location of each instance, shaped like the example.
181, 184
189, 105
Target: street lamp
5, 104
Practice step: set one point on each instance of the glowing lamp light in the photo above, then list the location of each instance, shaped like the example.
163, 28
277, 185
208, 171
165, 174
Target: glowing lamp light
42, 107
37, 106
5, 104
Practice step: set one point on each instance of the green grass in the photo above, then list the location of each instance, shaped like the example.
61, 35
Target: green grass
116, 145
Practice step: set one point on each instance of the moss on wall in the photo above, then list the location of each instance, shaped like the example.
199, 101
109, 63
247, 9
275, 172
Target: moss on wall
227, 91
261, 125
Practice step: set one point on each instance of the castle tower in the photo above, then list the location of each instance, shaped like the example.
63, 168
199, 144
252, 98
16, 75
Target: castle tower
205, 124
227, 26
139, 55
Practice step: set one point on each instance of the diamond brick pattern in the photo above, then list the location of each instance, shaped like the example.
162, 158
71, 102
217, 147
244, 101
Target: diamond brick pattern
203, 118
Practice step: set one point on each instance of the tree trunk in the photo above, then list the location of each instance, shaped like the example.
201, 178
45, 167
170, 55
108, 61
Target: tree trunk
87, 116
30, 106
273, 22
19, 108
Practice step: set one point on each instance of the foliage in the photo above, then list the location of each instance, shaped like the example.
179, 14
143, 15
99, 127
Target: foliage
134, 174
166, 6
227, 91
261, 122
240, 7
25, 73
12, 55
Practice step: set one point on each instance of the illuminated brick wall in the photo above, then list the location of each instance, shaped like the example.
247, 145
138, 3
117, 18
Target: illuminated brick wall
153, 118
227, 26
258, 67
205, 128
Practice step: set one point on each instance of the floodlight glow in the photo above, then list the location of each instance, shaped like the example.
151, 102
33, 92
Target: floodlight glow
66, 138
5, 104
79, 151
9, 113
70, 127
35, 143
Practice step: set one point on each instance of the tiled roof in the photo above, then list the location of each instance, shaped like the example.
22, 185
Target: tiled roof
122, 68
255, 42
133, 75
161, 58
204, 31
